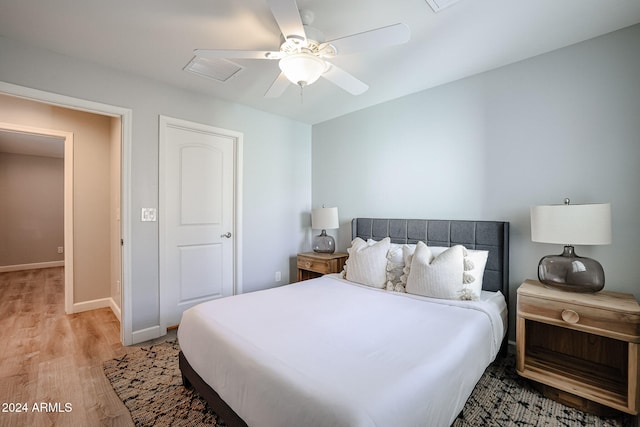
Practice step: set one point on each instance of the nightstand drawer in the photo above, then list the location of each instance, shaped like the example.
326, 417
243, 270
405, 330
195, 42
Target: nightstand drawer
313, 264
323, 266
614, 324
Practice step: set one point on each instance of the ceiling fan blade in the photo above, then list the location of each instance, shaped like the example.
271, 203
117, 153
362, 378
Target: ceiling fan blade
288, 18
384, 36
249, 54
277, 87
345, 81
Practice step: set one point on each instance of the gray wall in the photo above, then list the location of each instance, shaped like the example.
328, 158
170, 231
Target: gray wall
277, 163
32, 209
563, 124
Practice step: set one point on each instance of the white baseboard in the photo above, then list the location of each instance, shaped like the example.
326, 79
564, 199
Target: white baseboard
91, 305
32, 266
115, 309
98, 303
146, 334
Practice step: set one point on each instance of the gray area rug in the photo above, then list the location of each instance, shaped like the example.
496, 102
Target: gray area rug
149, 383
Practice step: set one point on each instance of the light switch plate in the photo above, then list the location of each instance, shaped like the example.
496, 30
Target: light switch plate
149, 214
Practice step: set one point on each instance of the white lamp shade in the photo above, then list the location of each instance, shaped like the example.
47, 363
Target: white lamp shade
302, 68
572, 224
324, 218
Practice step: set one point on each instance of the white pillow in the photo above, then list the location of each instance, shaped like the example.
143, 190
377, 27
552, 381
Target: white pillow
395, 253
395, 266
479, 260
407, 254
442, 276
477, 257
367, 264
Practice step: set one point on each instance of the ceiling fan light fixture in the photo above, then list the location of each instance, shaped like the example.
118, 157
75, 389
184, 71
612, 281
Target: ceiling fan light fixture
302, 68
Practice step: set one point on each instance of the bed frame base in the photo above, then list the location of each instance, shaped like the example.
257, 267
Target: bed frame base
190, 378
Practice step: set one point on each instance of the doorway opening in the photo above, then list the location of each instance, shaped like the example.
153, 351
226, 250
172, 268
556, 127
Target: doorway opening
77, 219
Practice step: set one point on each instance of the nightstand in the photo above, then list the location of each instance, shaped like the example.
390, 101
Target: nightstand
580, 348
313, 264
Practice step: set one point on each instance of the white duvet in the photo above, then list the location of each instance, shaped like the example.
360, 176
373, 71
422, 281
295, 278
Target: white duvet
326, 352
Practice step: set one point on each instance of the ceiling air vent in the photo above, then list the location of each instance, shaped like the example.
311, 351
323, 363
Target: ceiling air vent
214, 68
438, 5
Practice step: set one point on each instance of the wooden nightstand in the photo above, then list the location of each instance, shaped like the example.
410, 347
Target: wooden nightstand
580, 348
313, 264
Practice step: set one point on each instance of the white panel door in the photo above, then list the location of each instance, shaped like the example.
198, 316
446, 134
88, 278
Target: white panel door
196, 216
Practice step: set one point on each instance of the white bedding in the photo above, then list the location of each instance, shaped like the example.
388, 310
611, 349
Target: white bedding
327, 352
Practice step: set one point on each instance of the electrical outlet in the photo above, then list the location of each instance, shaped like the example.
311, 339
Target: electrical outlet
278, 276
60, 249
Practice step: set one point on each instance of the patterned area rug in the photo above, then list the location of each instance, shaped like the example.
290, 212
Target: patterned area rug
149, 383
503, 398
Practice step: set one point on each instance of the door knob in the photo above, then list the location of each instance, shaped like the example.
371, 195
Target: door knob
227, 235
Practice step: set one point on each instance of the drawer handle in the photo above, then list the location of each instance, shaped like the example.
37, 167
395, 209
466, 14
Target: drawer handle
570, 316
307, 264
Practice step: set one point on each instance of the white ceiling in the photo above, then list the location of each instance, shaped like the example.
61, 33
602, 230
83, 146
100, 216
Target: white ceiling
156, 38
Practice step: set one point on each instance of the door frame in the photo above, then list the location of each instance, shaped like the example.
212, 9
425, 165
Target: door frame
125, 115
236, 232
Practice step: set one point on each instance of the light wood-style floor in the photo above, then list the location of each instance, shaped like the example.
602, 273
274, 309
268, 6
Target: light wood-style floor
53, 359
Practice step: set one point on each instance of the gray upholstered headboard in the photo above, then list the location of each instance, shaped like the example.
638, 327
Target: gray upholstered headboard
492, 236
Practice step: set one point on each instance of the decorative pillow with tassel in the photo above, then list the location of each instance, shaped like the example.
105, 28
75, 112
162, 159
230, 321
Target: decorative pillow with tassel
446, 276
395, 267
367, 264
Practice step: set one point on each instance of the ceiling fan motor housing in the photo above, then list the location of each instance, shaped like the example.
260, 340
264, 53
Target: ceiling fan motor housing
302, 68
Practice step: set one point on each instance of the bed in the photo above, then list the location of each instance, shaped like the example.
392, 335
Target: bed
310, 353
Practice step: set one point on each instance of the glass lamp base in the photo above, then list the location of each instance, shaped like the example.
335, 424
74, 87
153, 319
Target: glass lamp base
569, 272
324, 243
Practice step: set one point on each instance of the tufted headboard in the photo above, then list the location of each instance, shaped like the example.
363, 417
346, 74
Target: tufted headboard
492, 236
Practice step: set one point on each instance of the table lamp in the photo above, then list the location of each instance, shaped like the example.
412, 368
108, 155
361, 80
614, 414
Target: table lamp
323, 219
568, 224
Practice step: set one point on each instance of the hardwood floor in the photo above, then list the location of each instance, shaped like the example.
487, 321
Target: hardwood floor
50, 362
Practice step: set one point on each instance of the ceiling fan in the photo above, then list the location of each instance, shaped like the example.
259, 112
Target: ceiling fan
303, 54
